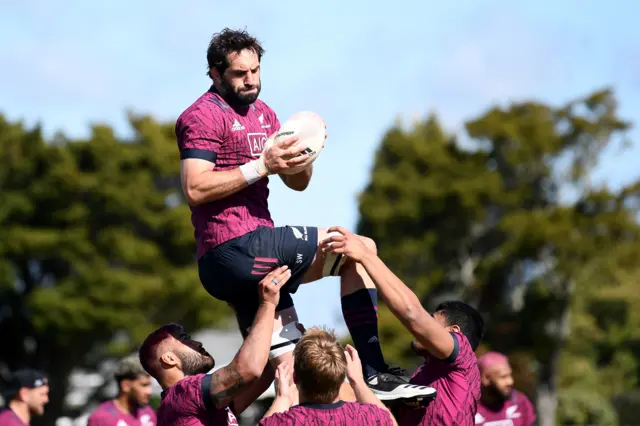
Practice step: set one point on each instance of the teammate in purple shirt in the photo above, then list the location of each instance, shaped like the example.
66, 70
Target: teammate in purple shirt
320, 368
501, 404
131, 406
180, 364
447, 341
225, 174
26, 394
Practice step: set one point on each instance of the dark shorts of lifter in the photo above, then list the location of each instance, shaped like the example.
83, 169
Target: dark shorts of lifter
232, 270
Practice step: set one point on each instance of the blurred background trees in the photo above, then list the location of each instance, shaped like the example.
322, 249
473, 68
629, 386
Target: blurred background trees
96, 248
506, 219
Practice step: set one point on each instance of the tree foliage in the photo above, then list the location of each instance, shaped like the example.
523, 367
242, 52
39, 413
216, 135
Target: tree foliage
506, 218
96, 248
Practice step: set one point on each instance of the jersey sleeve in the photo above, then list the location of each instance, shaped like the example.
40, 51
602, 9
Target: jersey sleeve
462, 356
204, 401
199, 136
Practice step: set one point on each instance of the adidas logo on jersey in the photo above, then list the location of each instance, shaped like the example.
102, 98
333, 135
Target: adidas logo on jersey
237, 126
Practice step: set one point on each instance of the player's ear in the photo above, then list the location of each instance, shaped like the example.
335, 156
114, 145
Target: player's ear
169, 359
295, 379
214, 74
485, 380
23, 394
455, 329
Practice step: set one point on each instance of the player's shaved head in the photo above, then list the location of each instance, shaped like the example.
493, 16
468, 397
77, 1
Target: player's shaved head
497, 379
490, 360
171, 347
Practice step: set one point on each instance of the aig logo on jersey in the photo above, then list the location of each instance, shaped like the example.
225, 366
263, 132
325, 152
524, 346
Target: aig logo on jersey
256, 143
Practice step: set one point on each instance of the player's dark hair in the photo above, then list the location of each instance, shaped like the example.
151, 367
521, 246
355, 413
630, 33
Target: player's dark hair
129, 368
466, 317
147, 351
229, 41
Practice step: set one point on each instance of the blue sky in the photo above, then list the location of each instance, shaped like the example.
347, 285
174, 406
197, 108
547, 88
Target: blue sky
360, 64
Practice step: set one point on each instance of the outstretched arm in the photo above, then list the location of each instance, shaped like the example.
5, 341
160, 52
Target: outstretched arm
401, 300
251, 359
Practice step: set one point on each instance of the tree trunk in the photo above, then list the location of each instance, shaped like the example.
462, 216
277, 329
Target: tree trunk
547, 389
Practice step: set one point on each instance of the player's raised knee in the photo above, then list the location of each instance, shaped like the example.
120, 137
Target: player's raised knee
369, 243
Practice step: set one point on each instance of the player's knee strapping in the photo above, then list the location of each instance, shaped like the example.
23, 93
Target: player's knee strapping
284, 340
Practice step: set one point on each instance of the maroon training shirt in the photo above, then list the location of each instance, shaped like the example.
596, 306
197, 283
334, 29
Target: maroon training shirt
457, 383
338, 414
188, 403
212, 130
107, 414
9, 418
516, 411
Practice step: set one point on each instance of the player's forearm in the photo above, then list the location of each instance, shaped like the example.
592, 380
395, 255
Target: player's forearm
365, 395
280, 405
406, 306
401, 300
299, 181
254, 353
214, 185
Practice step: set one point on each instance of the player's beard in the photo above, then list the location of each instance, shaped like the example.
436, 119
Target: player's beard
496, 394
240, 97
196, 362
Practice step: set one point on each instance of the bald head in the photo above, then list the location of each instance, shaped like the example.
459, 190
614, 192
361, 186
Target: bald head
497, 379
169, 350
490, 360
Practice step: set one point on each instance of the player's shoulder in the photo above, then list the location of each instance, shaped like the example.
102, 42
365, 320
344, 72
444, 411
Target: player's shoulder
368, 411
291, 416
203, 110
463, 346
262, 107
104, 409
520, 398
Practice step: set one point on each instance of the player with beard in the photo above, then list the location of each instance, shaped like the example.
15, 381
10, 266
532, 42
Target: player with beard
447, 340
180, 365
224, 173
26, 395
501, 404
131, 405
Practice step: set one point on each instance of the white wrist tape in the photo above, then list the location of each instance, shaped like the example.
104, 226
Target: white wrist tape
254, 170
284, 340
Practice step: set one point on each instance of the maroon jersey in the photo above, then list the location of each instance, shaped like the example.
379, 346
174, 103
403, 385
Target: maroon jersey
457, 383
516, 411
338, 414
212, 130
107, 414
187, 403
9, 418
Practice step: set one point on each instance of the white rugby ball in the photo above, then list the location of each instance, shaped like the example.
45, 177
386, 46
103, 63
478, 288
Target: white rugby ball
310, 129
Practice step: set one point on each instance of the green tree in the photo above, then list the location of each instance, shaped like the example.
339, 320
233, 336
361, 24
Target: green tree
96, 248
506, 219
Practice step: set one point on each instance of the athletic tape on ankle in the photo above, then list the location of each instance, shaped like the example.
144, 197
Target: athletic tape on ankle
284, 340
254, 170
